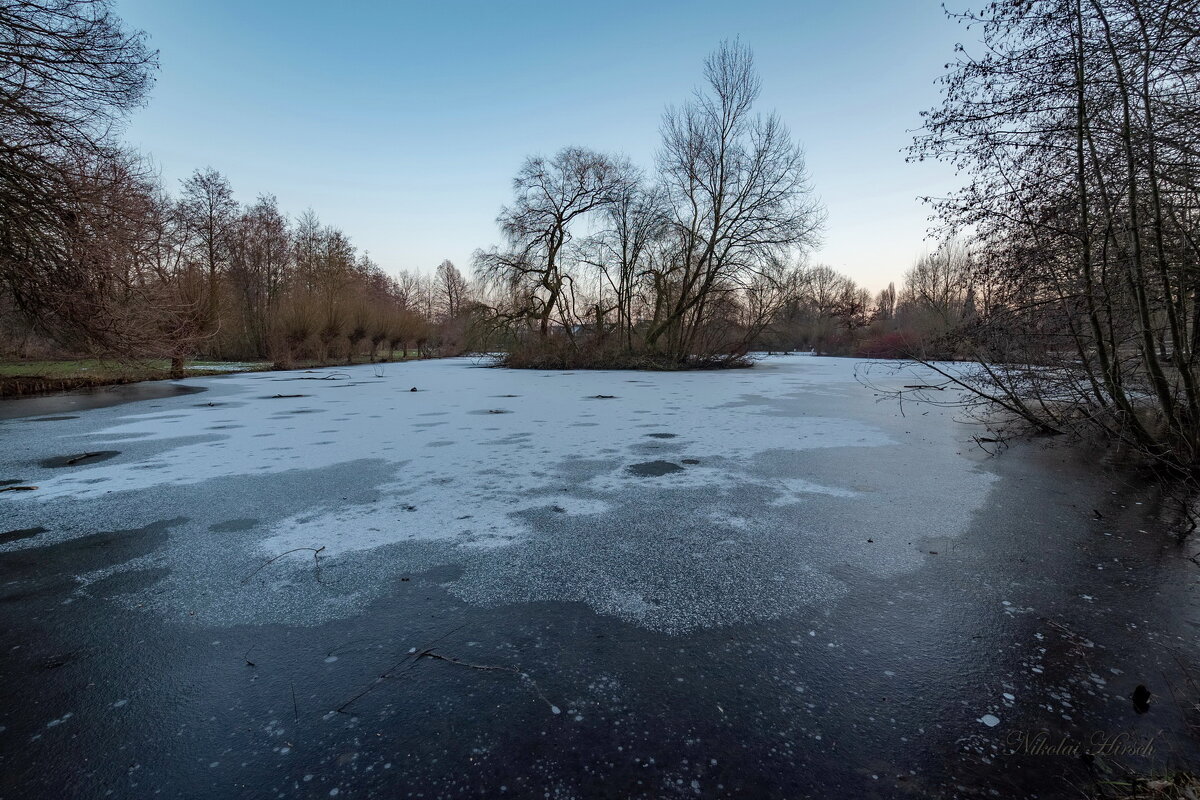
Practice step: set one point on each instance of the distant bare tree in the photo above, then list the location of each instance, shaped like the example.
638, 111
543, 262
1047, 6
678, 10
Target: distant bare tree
407, 288
451, 288
885, 303
939, 283
260, 259
625, 249
550, 195
825, 289
208, 205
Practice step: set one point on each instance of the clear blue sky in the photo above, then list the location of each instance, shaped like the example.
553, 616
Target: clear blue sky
403, 123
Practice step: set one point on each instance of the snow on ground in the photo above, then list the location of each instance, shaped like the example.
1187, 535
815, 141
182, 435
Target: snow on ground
669, 499
226, 366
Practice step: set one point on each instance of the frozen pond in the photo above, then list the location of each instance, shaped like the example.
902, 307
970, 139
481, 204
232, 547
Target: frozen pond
765, 582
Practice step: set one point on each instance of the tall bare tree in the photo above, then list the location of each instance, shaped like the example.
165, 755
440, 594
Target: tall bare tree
739, 194
70, 72
689, 268
636, 224
260, 259
208, 205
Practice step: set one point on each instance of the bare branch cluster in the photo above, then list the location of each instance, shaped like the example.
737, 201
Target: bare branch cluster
1079, 127
689, 266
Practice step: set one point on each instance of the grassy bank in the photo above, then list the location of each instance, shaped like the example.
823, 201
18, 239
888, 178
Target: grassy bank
25, 378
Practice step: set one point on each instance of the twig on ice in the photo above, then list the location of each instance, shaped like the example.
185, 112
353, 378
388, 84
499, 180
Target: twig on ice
316, 551
414, 655
490, 668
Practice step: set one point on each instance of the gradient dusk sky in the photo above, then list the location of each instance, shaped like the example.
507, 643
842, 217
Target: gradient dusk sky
403, 123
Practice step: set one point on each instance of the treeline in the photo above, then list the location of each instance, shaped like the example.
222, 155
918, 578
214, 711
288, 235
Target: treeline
97, 257
693, 264
198, 275
828, 313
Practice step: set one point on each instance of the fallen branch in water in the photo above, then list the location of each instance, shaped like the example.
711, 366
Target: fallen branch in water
316, 551
387, 673
491, 668
329, 376
83, 457
18, 489
979, 443
440, 657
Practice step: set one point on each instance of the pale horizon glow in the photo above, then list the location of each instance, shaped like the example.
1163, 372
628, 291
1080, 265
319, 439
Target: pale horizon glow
403, 124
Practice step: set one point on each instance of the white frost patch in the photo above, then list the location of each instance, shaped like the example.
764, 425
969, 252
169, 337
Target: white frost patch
366, 527
445, 430
572, 506
729, 520
224, 366
459, 460
991, 720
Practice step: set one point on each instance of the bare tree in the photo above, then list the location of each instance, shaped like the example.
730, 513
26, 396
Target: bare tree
936, 291
739, 194
689, 268
1078, 129
624, 250
71, 72
260, 259
209, 207
550, 195
885, 303
451, 287
406, 288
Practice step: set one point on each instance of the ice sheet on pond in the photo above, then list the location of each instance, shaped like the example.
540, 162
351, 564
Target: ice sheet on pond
523, 480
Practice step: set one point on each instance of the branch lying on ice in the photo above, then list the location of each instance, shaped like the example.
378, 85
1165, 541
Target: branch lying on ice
387, 673
490, 668
316, 551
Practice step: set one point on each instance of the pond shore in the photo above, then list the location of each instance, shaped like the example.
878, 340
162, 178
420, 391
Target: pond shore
36, 378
